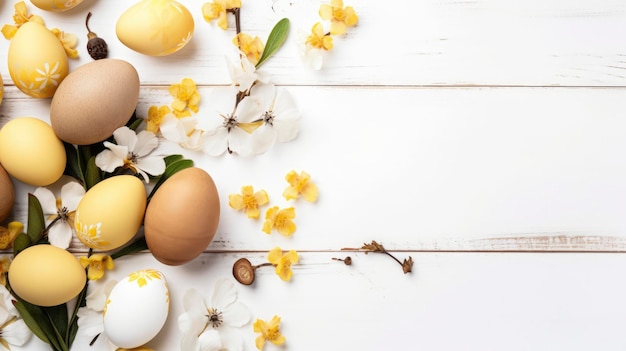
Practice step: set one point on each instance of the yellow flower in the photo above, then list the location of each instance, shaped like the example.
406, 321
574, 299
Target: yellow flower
318, 39
251, 47
217, 9
280, 220
7, 235
97, 264
155, 117
144, 276
339, 16
269, 331
5, 263
20, 17
300, 185
185, 97
283, 262
248, 200
68, 41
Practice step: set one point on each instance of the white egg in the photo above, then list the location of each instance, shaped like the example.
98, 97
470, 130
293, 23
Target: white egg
137, 308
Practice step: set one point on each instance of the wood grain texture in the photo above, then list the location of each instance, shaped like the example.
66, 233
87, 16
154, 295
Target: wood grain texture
429, 168
536, 43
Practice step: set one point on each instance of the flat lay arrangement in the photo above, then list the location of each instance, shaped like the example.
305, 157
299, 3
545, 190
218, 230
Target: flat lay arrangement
304, 175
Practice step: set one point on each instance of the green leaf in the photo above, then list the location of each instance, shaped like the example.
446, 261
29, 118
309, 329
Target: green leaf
275, 40
93, 174
170, 170
30, 315
73, 325
21, 242
72, 167
59, 319
172, 158
136, 246
36, 222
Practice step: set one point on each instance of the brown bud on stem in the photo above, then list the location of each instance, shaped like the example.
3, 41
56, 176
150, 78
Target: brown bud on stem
96, 46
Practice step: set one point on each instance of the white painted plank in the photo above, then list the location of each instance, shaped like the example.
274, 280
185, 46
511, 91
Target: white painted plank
430, 169
450, 302
431, 42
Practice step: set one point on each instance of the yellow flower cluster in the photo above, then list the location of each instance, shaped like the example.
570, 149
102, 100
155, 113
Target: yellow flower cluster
340, 18
283, 262
276, 218
21, 16
186, 101
8, 234
96, 265
218, 10
252, 48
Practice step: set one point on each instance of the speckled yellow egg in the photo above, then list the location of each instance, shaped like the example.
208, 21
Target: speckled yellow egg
31, 152
155, 27
46, 275
111, 212
94, 100
56, 5
37, 61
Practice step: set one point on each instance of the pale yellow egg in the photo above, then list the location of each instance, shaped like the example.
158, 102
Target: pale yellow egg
56, 5
37, 61
155, 27
31, 152
46, 275
111, 212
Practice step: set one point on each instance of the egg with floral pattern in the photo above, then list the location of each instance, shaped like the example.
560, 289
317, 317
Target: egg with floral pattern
111, 212
155, 27
137, 308
37, 61
56, 5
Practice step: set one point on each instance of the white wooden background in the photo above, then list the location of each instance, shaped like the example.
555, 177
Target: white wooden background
483, 138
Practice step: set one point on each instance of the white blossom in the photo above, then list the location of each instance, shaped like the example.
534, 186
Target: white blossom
61, 210
131, 152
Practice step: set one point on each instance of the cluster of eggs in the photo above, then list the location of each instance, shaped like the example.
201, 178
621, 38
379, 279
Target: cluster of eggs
87, 105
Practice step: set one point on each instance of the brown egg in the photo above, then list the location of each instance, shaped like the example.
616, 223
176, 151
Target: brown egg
7, 194
182, 217
94, 100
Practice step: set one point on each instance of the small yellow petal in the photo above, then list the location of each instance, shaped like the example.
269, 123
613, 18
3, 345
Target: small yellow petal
236, 201
275, 255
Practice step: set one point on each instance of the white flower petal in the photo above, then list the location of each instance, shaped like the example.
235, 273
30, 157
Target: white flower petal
211, 124
189, 124
236, 314
146, 142
216, 143
263, 138
16, 333
286, 130
126, 137
266, 93
71, 194
172, 129
153, 165
210, 340
4, 315
224, 294
90, 322
97, 294
143, 175
189, 342
194, 318
108, 161
47, 200
239, 142
232, 340
249, 109
60, 235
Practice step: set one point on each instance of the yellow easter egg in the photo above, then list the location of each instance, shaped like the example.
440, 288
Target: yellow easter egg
31, 152
37, 61
155, 27
46, 275
56, 5
111, 212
